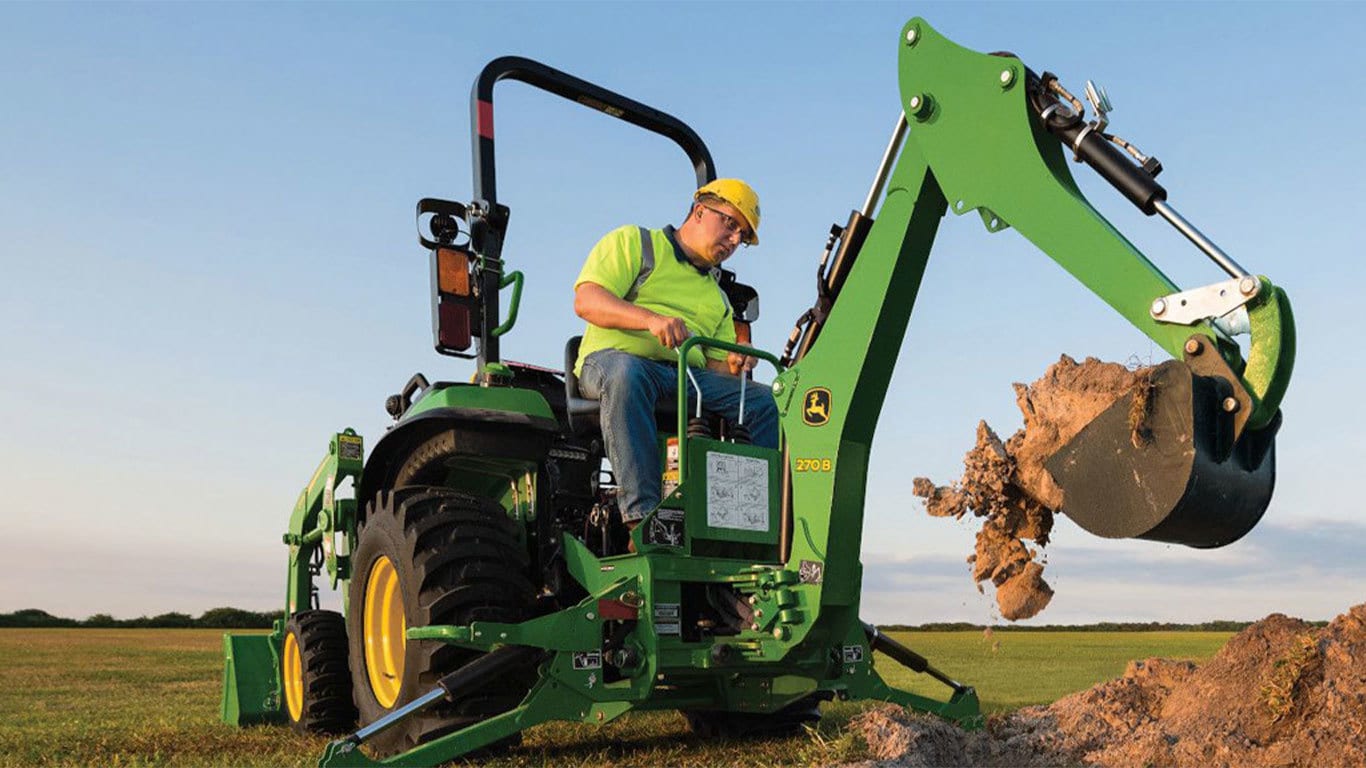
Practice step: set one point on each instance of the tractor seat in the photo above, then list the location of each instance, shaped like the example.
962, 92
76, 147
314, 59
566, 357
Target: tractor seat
583, 413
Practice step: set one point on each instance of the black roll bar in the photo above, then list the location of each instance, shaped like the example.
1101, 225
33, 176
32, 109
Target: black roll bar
574, 89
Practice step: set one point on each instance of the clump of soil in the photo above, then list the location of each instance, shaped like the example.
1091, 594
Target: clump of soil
1006, 484
1280, 693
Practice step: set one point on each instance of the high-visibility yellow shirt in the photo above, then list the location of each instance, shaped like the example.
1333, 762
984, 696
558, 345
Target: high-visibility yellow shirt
673, 287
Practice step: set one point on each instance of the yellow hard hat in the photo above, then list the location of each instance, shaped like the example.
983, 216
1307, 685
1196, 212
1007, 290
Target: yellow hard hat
740, 195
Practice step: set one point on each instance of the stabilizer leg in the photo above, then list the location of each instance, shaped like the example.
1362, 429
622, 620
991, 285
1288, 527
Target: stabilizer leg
962, 707
549, 699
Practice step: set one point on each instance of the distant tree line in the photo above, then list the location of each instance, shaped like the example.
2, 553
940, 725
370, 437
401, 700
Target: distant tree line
1103, 626
216, 618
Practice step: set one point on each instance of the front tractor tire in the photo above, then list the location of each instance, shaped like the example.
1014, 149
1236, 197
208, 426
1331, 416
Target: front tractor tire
430, 556
314, 670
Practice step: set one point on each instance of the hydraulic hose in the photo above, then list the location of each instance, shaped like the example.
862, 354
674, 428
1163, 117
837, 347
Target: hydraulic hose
1092, 146
907, 657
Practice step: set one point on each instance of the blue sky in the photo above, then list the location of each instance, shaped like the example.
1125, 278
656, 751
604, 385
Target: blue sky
209, 261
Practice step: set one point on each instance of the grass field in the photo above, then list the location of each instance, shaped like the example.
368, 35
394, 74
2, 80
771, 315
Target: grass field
130, 697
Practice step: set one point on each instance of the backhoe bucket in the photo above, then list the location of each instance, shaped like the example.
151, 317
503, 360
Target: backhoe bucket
251, 680
1167, 468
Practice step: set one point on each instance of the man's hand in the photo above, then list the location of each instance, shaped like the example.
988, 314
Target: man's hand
738, 363
671, 331
604, 309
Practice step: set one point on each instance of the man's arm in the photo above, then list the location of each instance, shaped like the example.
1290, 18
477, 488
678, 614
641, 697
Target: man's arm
602, 308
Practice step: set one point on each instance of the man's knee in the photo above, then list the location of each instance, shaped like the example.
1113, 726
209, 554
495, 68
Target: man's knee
613, 371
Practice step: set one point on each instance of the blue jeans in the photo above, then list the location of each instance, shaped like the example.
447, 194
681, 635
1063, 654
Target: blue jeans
629, 386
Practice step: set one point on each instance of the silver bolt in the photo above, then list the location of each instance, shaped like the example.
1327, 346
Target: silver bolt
1007, 77
915, 102
759, 613
1159, 306
1248, 285
1193, 346
911, 36
777, 387
753, 599
590, 615
754, 627
1230, 405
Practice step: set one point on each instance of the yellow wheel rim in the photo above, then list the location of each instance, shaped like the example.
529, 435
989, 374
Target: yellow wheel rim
384, 628
294, 678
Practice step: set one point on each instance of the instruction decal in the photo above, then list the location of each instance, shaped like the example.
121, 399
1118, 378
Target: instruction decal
665, 528
737, 492
853, 654
810, 572
816, 407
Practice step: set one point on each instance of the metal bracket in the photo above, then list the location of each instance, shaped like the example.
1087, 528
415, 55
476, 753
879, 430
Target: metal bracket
992, 222
1203, 358
1100, 102
1197, 304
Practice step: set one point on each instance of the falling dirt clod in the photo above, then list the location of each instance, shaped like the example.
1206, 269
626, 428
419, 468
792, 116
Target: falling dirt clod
1280, 693
1006, 484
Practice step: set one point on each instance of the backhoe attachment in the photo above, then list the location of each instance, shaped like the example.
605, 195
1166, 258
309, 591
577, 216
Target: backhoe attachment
1188, 456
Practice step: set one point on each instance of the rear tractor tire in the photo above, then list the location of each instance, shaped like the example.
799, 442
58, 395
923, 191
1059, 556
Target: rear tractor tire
314, 670
431, 556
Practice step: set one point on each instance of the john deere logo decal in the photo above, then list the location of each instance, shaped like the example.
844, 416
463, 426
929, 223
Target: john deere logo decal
816, 406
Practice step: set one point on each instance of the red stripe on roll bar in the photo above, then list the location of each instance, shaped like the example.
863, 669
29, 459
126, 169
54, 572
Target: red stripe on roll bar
486, 119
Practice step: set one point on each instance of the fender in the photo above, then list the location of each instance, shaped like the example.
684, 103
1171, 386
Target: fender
516, 424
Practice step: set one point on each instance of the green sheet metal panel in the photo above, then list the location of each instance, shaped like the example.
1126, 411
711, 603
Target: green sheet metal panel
251, 680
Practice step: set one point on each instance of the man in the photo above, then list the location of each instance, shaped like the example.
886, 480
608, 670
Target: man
638, 314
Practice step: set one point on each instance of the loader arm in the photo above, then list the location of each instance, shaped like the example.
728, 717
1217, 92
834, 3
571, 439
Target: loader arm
975, 143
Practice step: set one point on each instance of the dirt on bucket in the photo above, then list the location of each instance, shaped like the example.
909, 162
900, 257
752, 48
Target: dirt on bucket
1280, 693
1006, 485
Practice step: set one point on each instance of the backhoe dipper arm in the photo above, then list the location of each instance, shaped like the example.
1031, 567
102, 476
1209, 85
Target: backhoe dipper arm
976, 143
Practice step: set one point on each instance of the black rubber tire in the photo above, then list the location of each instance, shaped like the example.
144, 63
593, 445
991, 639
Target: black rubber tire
788, 721
458, 560
326, 678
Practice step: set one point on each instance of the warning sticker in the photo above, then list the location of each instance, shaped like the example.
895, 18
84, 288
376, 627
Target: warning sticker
667, 619
588, 660
737, 492
349, 447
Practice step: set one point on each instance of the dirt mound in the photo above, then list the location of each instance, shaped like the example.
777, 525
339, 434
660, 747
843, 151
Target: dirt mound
1007, 486
1280, 693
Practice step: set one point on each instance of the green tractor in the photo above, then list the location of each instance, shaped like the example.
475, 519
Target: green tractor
488, 586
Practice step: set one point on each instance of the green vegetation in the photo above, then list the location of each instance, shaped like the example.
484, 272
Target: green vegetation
215, 618
139, 697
